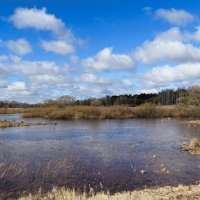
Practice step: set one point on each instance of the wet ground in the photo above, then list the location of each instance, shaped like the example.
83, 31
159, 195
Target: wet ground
106, 155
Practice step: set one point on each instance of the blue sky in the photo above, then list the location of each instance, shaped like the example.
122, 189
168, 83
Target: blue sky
95, 48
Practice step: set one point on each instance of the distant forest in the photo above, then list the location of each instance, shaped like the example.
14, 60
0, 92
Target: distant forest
165, 97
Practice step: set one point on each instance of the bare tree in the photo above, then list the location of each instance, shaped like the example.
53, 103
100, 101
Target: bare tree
189, 102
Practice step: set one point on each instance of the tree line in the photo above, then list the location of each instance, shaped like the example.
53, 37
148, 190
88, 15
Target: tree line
165, 97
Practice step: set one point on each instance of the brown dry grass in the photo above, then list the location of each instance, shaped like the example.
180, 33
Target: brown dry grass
193, 122
12, 110
193, 147
92, 112
166, 193
6, 124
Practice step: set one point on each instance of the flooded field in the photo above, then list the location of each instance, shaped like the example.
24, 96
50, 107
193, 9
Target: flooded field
109, 155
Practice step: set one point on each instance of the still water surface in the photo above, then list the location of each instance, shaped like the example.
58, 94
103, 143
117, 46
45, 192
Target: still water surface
105, 155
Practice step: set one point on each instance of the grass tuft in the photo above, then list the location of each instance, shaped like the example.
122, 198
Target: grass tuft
193, 147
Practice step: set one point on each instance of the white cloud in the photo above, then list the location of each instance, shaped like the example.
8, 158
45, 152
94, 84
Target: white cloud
127, 83
17, 86
174, 16
20, 46
59, 46
46, 80
33, 78
74, 59
15, 91
3, 58
3, 84
167, 46
96, 91
168, 74
22, 67
37, 19
147, 91
91, 79
105, 60
37, 80
193, 36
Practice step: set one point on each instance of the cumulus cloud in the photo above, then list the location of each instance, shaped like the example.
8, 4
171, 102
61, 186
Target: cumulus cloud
17, 86
172, 57
174, 16
37, 19
33, 78
59, 46
105, 60
20, 46
91, 79
64, 42
168, 74
96, 91
15, 90
193, 36
167, 46
127, 83
3, 58
18, 66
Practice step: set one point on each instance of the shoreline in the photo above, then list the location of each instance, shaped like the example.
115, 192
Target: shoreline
102, 112
9, 124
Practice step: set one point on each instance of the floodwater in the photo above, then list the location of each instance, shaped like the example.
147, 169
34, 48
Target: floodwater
100, 154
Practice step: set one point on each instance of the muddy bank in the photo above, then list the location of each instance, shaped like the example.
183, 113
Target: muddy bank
181, 192
6, 123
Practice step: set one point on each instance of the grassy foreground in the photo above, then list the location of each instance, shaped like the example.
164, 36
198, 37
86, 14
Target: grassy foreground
93, 112
166, 193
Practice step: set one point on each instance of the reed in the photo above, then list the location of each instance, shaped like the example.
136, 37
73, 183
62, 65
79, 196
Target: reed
12, 110
193, 147
180, 192
92, 112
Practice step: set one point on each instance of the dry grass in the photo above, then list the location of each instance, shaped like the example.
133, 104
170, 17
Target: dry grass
193, 122
166, 193
12, 110
6, 124
193, 147
195, 143
92, 112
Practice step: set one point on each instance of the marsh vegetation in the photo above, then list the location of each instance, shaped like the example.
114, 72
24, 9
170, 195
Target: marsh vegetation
168, 103
173, 193
92, 112
6, 123
193, 147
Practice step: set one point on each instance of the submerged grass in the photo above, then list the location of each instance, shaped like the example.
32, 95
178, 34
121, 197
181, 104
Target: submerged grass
181, 192
92, 112
6, 123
